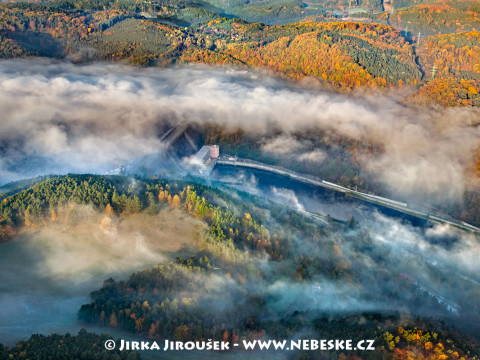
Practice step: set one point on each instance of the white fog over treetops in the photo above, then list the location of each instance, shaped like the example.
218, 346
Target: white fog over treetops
58, 117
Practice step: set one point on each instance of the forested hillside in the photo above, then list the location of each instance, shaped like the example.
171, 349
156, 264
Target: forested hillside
453, 63
438, 17
148, 303
11, 49
342, 55
170, 300
345, 55
84, 345
230, 288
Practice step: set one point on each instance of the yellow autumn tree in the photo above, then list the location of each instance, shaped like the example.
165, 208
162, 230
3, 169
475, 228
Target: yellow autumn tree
109, 210
176, 201
161, 196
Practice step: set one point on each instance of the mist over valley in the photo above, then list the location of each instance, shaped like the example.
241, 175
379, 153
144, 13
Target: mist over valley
241, 253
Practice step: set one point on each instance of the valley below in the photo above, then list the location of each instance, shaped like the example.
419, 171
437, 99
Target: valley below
115, 217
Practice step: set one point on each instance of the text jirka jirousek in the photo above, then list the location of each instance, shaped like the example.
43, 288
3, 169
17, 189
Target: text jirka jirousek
289, 345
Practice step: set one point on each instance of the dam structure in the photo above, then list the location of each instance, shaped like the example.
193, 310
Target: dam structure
203, 162
209, 156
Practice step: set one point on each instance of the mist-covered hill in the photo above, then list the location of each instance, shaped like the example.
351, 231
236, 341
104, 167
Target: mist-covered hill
257, 270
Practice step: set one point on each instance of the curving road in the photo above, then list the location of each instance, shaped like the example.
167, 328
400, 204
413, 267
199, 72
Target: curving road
378, 200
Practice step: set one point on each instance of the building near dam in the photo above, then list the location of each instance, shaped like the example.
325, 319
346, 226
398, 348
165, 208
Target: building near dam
214, 152
203, 161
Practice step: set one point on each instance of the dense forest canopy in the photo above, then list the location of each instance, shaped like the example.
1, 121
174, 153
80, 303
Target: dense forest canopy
84, 345
239, 257
345, 55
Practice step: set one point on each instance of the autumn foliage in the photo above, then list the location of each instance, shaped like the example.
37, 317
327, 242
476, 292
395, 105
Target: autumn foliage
418, 344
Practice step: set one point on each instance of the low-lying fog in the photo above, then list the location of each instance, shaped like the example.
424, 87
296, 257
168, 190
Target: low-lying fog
48, 272
57, 117
291, 193
401, 263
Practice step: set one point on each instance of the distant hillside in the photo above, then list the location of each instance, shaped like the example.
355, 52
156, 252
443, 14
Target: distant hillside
267, 11
452, 63
438, 17
346, 55
11, 49
343, 55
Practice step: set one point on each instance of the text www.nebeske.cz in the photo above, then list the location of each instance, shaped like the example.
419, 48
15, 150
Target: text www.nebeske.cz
289, 345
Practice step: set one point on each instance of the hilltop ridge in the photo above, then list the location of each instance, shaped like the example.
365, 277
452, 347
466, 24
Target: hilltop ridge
342, 55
